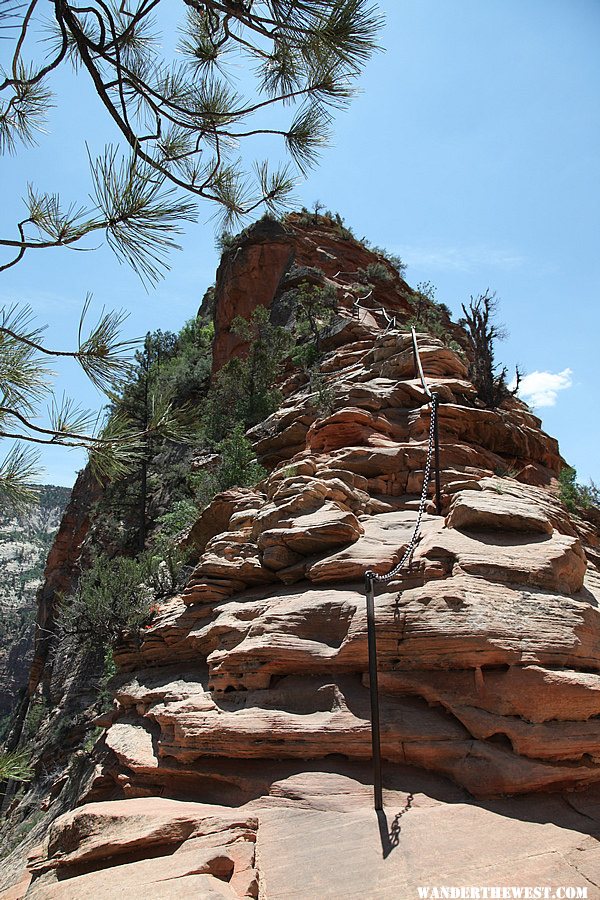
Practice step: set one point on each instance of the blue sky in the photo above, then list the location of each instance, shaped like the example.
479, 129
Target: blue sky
472, 152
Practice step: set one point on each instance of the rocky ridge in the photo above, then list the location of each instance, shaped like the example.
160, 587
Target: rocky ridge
241, 713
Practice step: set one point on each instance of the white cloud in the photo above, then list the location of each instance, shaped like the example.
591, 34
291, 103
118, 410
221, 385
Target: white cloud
461, 259
541, 388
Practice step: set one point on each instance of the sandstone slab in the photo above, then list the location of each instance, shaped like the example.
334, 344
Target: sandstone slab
480, 510
358, 855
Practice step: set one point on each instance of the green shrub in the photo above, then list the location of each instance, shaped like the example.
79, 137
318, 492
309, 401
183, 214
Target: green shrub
226, 240
36, 714
340, 226
590, 495
393, 259
430, 315
16, 765
375, 272
238, 467
184, 376
568, 490
119, 594
574, 495
307, 218
313, 307
113, 595
90, 742
321, 216
108, 672
243, 392
205, 486
180, 517
306, 356
311, 273
324, 394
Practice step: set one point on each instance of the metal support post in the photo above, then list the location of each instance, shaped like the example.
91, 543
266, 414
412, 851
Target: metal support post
374, 690
433, 447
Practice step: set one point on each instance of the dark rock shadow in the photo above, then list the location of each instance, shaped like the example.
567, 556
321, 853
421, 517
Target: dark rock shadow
389, 827
506, 538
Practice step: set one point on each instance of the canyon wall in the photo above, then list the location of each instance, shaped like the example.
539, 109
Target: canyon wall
26, 536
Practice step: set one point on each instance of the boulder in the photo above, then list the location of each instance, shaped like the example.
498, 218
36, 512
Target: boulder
482, 511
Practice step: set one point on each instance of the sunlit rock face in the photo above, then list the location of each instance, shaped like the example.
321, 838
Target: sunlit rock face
242, 711
26, 536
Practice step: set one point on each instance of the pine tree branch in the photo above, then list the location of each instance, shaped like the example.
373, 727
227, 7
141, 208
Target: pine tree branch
21, 39
27, 244
45, 70
56, 435
18, 436
73, 354
308, 50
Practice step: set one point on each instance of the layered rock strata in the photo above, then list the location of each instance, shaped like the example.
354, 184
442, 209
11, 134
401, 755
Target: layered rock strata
498, 604
314, 835
256, 676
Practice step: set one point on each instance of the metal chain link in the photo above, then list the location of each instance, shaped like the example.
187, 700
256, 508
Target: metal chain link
371, 578
385, 579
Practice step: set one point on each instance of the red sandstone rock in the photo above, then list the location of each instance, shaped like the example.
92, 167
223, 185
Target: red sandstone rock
476, 511
251, 688
536, 840
500, 585
160, 846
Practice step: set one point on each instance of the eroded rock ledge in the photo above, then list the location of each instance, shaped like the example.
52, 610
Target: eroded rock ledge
498, 605
489, 649
499, 602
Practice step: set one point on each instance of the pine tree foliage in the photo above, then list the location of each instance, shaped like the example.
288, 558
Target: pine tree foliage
15, 765
314, 307
9, 15
244, 390
181, 122
118, 594
577, 497
150, 407
112, 595
26, 381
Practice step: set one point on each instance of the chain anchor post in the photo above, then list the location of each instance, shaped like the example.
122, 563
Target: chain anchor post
374, 690
433, 452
